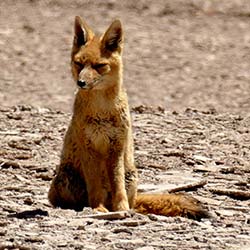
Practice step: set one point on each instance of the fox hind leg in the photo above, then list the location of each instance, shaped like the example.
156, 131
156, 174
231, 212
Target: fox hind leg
68, 189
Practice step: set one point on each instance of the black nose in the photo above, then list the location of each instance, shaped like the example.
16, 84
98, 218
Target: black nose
81, 83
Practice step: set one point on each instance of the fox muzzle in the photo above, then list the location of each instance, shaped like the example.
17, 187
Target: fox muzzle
81, 84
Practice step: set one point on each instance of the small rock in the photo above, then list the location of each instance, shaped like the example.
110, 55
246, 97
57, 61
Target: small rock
145, 248
225, 212
134, 241
201, 158
28, 201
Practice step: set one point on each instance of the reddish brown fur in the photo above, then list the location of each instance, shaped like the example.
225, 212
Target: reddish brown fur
97, 163
170, 205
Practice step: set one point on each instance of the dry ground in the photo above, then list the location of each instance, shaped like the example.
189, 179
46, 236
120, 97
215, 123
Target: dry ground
189, 57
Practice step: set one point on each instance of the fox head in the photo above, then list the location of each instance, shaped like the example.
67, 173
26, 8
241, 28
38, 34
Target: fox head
96, 60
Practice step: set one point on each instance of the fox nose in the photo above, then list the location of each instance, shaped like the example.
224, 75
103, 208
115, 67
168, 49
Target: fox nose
81, 83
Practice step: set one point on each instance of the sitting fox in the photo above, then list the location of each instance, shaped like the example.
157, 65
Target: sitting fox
97, 166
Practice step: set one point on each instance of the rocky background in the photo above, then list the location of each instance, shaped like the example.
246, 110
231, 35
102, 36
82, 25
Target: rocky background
188, 80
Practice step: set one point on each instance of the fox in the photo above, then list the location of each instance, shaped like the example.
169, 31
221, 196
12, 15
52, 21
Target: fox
97, 167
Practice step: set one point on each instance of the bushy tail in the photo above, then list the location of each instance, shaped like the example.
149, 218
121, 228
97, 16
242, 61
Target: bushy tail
170, 205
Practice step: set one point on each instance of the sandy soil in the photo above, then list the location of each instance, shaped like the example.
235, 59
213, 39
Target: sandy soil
191, 58
178, 54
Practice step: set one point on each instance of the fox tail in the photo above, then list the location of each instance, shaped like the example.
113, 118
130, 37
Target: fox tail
170, 205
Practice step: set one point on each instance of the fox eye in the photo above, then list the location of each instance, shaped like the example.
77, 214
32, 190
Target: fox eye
102, 67
78, 64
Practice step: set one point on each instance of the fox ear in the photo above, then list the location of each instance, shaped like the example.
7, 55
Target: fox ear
83, 33
113, 38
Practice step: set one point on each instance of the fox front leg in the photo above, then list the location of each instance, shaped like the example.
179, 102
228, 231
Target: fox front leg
96, 182
116, 173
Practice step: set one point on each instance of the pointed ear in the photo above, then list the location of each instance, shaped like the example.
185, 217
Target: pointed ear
113, 38
83, 33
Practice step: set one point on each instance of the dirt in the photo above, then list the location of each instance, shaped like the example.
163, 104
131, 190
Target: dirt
187, 75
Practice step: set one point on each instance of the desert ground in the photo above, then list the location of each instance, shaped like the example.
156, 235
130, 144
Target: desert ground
186, 71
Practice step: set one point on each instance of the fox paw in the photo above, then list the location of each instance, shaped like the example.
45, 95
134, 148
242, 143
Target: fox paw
121, 206
101, 209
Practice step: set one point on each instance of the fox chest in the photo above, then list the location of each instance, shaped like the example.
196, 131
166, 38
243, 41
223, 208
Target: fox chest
103, 137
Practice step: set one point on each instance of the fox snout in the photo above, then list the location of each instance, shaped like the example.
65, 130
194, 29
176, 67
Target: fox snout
81, 84
87, 78
87, 84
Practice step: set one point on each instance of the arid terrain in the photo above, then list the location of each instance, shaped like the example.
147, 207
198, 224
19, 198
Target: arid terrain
187, 73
